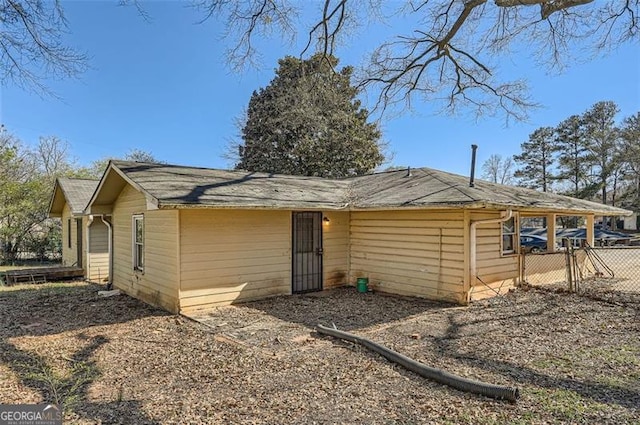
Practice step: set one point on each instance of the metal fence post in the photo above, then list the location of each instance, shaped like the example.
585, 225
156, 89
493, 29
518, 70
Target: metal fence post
576, 271
567, 258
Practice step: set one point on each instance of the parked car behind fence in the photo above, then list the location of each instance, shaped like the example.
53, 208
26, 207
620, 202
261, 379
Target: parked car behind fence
532, 243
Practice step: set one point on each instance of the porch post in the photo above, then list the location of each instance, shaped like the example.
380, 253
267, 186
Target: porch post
551, 233
590, 231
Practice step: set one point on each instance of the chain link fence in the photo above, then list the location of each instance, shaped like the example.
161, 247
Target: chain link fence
546, 268
610, 269
585, 270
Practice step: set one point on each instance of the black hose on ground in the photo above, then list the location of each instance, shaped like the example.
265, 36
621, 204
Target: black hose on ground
438, 375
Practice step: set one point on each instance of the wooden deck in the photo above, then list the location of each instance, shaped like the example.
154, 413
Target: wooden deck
41, 274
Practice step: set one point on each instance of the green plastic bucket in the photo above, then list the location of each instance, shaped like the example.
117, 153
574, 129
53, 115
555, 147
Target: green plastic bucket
363, 284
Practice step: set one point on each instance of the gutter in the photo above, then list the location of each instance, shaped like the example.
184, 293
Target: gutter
87, 263
473, 267
110, 243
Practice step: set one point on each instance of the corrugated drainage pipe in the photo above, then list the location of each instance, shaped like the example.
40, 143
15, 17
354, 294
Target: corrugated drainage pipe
438, 375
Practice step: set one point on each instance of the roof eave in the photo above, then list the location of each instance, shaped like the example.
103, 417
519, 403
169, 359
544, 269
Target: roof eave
57, 187
496, 206
151, 200
182, 206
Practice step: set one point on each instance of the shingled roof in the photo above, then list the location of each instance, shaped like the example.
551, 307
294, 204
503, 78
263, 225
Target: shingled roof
426, 187
172, 186
75, 192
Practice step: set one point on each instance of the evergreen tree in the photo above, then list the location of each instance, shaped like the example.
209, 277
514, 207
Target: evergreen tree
573, 151
630, 135
307, 121
537, 159
603, 141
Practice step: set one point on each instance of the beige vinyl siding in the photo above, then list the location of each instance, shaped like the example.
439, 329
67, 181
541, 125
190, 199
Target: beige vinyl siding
70, 254
416, 253
496, 272
229, 256
158, 283
98, 253
85, 221
335, 241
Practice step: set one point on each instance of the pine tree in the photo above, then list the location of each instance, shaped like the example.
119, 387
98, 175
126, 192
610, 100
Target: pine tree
603, 141
630, 134
573, 151
537, 159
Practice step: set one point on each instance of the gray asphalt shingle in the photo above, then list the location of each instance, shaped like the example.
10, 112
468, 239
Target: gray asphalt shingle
77, 192
184, 187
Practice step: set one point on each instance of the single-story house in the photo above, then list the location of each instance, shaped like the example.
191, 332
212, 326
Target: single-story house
85, 239
187, 238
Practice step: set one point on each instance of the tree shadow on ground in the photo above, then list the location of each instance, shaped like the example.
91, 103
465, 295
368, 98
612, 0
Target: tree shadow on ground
36, 311
344, 307
460, 323
70, 389
587, 388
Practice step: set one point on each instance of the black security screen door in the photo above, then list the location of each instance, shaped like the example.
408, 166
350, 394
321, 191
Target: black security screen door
307, 251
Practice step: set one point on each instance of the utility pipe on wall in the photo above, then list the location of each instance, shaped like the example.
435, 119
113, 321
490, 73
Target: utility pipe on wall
473, 267
87, 263
472, 176
110, 243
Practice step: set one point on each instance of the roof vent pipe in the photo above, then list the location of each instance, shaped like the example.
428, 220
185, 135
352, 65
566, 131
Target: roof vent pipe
473, 165
408, 172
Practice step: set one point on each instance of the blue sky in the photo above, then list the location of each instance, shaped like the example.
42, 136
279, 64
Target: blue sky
163, 86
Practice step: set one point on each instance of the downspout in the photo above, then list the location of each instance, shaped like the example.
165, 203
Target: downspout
110, 243
87, 248
473, 267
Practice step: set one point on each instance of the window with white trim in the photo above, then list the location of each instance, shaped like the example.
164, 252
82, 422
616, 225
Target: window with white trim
509, 236
138, 242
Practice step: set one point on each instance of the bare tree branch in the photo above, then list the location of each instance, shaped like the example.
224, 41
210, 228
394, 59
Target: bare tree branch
447, 56
31, 46
142, 12
246, 19
327, 37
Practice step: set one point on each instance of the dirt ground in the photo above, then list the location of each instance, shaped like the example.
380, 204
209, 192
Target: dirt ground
118, 361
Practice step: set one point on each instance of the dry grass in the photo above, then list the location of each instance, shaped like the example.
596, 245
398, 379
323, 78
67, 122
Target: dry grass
116, 360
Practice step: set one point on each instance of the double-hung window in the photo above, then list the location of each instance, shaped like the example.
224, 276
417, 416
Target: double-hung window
509, 235
138, 242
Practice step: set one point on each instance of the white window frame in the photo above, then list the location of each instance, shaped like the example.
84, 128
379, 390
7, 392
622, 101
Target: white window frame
515, 243
137, 261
